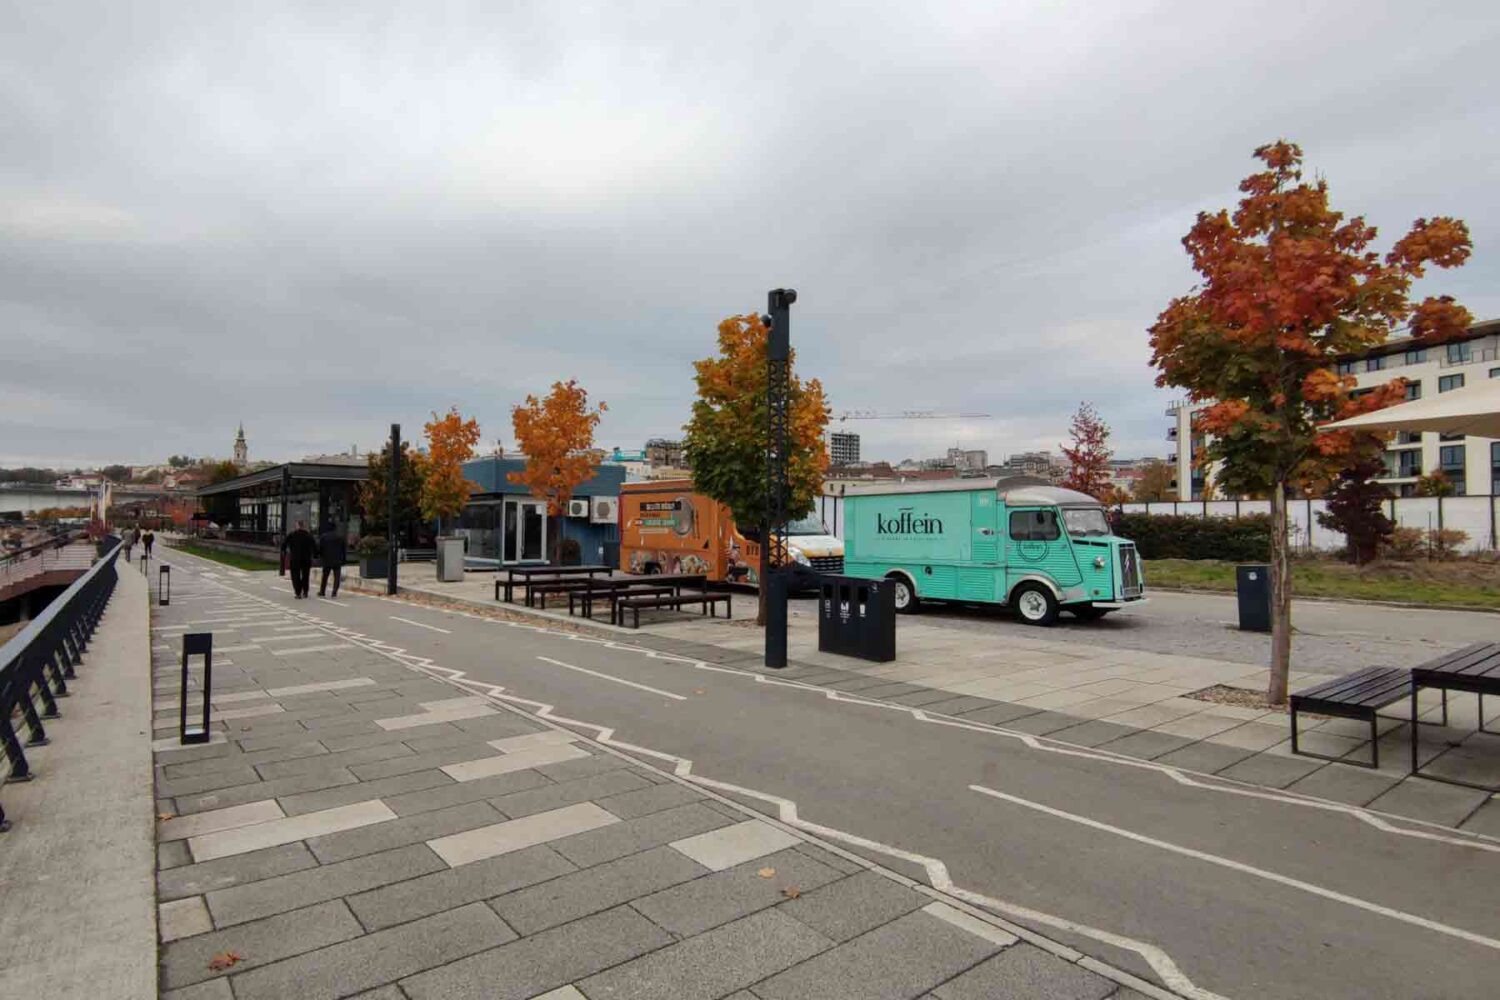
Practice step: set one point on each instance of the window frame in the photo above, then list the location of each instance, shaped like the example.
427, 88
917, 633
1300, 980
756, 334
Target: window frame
1044, 513
1452, 384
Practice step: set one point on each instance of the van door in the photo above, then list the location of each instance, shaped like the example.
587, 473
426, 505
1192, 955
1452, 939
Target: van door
1037, 546
980, 579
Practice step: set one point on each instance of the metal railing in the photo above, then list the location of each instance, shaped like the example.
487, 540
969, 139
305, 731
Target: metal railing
37, 664
62, 553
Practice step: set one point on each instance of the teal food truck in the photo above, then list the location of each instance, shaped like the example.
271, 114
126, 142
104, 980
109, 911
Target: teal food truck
1038, 549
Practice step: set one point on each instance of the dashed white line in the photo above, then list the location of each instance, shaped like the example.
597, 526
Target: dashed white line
1240, 866
607, 677
434, 628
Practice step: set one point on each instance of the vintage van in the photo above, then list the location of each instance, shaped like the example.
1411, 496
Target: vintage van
667, 528
1038, 549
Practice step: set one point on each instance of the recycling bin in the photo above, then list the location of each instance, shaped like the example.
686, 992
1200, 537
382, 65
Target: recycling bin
1252, 585
857, 617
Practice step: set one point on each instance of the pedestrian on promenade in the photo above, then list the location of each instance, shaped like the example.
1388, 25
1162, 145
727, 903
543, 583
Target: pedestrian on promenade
299, 547
148, 540
335, 551
127, 540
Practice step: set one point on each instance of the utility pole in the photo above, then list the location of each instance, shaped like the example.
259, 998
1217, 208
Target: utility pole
390, 499
778, 364
286, 489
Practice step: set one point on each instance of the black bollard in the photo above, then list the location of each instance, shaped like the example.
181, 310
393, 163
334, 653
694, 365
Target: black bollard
164, 586
196, 644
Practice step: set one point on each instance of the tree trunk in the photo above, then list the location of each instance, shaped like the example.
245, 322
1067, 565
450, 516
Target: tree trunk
765, 572
1281, 598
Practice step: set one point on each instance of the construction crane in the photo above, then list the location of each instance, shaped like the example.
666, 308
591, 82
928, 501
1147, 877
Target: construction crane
909, 415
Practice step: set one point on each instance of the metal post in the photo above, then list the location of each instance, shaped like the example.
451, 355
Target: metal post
778, 386
164, 586
392, 485
286, 488
196, 644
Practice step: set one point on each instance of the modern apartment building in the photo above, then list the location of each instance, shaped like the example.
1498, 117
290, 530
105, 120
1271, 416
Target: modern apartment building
843, 448
1471, 464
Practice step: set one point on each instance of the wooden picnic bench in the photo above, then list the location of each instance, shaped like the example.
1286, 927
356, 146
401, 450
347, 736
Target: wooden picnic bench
582, 601
708, 600
1475, 669
1359, 695
611, 588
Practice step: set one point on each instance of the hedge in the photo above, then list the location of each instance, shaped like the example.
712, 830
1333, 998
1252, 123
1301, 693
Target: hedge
1172, 536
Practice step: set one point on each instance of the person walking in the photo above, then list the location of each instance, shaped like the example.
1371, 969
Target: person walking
148, 540
335, 551
299, 547
127, 540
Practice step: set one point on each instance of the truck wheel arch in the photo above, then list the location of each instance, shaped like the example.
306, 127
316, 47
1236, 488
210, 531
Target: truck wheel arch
911, 585
1010, 597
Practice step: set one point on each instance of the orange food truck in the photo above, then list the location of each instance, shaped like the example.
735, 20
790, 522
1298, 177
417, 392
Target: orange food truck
667, 528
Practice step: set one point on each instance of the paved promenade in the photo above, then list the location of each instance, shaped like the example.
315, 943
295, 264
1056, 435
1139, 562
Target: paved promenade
360, 827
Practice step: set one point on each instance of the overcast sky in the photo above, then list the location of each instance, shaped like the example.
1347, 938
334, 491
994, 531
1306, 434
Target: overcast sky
320, 218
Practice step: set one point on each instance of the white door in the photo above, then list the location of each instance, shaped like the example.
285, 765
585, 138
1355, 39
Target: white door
524, 533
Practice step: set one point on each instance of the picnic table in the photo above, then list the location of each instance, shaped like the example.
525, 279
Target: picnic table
1475, 669
613, 588
528, 574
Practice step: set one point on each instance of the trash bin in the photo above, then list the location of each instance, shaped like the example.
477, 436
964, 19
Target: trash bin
857, 617
1252, 584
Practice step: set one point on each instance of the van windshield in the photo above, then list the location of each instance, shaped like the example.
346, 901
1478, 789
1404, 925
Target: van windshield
1084, 522
807, 526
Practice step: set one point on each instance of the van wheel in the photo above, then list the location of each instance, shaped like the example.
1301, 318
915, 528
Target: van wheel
907, 601
1035, 604
1088, 612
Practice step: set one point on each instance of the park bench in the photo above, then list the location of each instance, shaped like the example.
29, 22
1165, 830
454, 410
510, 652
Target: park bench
582, 600
678, 601
1360, 696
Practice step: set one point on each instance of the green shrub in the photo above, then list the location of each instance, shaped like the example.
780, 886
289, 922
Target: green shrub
1172, 536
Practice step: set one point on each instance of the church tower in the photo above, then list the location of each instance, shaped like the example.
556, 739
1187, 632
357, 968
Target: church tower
241, 449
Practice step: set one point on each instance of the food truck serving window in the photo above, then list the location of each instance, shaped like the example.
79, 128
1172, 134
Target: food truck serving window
1033, 525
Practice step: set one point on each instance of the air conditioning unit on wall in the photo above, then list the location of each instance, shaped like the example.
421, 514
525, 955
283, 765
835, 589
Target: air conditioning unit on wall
606, 510
578, 508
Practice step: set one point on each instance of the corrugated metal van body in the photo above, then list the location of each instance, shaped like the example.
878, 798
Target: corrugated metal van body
948, 541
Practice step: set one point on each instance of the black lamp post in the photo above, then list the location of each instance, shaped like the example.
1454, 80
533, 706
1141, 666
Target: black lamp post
390, 499
778, 363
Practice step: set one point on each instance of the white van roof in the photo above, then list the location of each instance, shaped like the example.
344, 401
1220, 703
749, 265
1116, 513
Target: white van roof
1014, 490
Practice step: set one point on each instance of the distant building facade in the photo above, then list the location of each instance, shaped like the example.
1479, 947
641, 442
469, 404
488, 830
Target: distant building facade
241, 449
843, 448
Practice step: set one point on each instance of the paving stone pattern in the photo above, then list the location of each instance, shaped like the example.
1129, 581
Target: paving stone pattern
383, 835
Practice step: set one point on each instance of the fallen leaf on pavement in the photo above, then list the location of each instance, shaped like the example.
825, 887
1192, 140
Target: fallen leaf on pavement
791, 892
225, 960
699, 691
164, 816
767, 873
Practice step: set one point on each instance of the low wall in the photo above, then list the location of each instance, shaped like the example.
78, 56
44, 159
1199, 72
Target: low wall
267, 552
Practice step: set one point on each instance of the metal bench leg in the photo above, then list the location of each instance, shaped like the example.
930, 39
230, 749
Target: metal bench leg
1374, 743
1481, 717
1445, 709
1294, 729
1414, 692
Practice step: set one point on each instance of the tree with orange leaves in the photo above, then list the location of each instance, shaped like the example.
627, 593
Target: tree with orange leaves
729, 434
1088, 458
450, 443
556, 434
1289, 286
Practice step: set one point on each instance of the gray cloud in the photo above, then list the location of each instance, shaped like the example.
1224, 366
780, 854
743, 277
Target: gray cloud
323, 218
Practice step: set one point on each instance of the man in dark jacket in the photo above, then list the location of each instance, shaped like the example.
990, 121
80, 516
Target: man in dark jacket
335, 551
300, 547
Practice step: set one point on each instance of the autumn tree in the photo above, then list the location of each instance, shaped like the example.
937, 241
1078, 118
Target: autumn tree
1088, 458
728, 437
1435, 484
1155, 482
374, 494
556, 433
1355, 509
1288, 286
450, 443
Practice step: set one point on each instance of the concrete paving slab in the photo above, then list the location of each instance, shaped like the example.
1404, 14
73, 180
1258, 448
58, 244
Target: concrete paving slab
631, 836
713, 964
970, 924
414, 829
1146, 744
456, 793
316, 686
379, 958
520, 760
1272, 771
554, 796
192, 880
243, 839
1255, 736
1029, 972
347, 794
901, 959
717, 899
1430, 800
724, 848
180, 918
262, 942
603, 887
1000, 713
1485, 819
1204, 756
513, 835
1042, 723
403, 722
849, 907
1354, 785
528, 741
243, 903
450, 887
1090, 734
212, 821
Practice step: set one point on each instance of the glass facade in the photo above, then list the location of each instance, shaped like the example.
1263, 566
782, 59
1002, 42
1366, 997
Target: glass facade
1459, 353
1416, 356
1451, 460
1375, 364
1447, 383
1409, 463
1413, 391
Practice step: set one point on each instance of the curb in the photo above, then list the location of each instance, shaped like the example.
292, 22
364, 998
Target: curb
1409, 605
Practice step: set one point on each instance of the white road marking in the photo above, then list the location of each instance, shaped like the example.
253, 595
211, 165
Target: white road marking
334, 603
434, 628
1240, 866
607, 677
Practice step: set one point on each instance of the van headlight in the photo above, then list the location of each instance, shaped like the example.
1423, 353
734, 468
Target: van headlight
1098, 562
799, 558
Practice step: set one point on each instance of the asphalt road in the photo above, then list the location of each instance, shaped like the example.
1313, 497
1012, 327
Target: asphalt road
1217, 892
1330, 637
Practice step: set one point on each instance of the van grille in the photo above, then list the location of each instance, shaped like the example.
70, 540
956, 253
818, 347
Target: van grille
832, 565
1130, 572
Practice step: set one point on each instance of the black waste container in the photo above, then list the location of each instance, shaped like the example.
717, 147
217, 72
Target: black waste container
857, 617
1252, 584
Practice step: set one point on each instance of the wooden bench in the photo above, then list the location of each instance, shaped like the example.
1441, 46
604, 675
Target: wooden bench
582, 601
678, 601
1355, 696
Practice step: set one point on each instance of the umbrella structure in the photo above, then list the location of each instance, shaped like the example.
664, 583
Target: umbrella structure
1472, 410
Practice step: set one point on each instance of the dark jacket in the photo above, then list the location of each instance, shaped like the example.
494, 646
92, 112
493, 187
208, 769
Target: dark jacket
300, 546
334, 547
